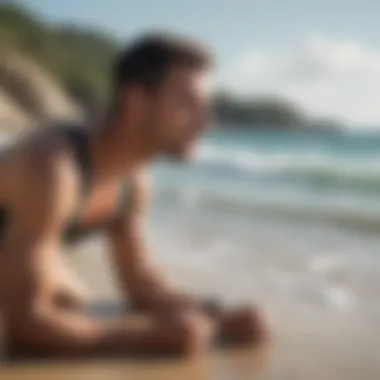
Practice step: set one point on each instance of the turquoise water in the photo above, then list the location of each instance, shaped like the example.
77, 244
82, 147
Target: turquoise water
286, 217
306, 175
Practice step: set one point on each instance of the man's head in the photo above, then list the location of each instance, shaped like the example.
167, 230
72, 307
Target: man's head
160, 93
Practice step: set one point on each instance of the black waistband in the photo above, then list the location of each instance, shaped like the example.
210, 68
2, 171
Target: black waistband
78, 138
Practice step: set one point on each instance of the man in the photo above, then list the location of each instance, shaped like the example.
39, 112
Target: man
61, 184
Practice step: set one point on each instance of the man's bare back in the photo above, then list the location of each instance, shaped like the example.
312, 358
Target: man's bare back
60, 185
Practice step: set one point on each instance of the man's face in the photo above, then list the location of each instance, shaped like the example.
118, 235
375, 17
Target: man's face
179, 112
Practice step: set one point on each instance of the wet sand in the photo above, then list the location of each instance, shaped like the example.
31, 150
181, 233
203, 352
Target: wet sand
307, 344
213, 367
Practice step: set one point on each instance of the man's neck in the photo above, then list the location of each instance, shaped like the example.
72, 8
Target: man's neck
114, 157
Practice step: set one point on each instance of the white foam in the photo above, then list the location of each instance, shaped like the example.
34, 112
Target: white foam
311, 163
326, 263
340, 298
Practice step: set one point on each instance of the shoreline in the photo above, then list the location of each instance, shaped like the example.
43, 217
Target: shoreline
309, 343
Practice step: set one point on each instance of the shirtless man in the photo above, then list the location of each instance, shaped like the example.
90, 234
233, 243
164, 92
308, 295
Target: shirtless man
59, 184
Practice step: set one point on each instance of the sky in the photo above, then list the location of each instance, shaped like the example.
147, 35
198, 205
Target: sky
322, 55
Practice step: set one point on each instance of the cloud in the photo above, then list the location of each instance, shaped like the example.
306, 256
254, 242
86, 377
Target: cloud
326, 77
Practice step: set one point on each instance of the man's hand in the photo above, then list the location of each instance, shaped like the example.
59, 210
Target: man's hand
188, 332
240, 326
243, 326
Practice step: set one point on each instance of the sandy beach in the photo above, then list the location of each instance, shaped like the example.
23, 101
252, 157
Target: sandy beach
299, 353
308, 343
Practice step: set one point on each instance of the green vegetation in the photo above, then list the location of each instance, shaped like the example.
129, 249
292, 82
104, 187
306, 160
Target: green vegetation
80, 59
263, 112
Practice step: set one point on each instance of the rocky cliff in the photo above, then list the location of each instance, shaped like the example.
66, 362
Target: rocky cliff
29, 96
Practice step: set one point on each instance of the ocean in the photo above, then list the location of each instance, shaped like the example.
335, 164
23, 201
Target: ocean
275, 217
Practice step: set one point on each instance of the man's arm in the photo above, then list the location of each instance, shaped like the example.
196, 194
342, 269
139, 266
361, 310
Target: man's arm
32, 321
141, 280
148, 288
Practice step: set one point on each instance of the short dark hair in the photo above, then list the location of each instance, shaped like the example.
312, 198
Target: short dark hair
148, 59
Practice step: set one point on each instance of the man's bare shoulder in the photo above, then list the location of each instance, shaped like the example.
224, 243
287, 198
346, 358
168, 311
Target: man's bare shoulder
42, 165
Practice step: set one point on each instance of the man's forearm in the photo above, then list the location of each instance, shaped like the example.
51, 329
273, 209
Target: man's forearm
68, 334
158, 296
143, 283
150, 290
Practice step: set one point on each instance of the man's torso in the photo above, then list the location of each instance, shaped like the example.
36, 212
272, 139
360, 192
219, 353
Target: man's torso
96, 207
